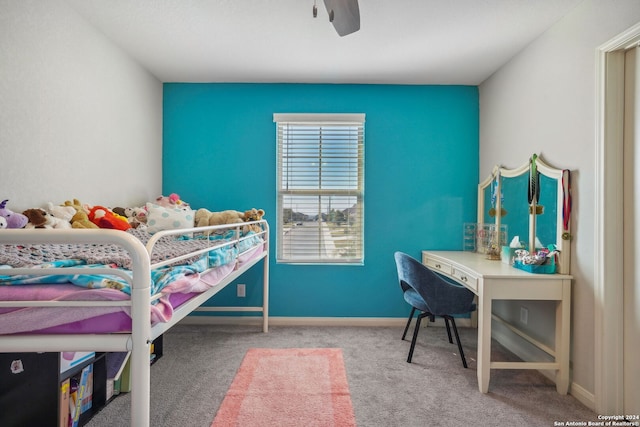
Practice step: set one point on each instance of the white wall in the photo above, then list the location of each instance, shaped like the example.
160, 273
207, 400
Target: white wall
543, 101
78, 117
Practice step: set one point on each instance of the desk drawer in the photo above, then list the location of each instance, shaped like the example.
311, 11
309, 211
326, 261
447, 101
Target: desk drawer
439, 266
468, 280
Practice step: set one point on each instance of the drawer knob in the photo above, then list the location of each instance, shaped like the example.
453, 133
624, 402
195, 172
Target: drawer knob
464, 278
438, 266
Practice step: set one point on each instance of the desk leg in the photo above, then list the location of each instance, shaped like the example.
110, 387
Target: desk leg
484, 343
563, 343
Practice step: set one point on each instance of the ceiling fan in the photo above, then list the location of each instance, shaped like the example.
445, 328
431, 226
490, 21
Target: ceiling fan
343, 14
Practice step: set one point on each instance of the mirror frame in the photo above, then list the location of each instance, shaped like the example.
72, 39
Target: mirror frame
563, 236
481, 188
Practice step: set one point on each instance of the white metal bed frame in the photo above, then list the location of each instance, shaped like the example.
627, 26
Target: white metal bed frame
139, 340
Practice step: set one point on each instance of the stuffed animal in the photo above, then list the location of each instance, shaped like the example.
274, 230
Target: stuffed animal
81, 220
57, 223
204, 217
172, 201
64, 213
61, 215
125, 213
76, 205
138, 218
105, 218
253, 214
13, 219
140, 214
38, 218
121, 211
135, 216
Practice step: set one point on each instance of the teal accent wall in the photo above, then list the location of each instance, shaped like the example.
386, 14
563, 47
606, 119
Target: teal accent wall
421, 175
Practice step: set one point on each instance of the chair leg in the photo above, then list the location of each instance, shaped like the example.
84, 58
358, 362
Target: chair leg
455, 331
446, 322
415, 337
406, 328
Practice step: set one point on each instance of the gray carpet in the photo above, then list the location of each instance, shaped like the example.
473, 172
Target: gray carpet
190, 380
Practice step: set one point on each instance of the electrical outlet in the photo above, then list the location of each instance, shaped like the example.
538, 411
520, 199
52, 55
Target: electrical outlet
242, 290
524, 315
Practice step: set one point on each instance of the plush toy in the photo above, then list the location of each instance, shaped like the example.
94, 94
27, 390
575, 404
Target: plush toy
64, 213
61, 215
253, 214
57, 223
75, 204
204, 217
140, 214
172, 201
105, 218
124, 213
13, 219
38, 218
138, 218
135, 216
120, 211
81, 220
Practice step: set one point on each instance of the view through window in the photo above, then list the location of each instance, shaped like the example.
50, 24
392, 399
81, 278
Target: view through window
320, 188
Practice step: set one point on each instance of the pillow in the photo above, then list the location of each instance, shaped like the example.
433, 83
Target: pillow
160, 218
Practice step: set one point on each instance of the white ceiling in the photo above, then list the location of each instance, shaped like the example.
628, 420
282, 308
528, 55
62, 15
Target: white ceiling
399, 42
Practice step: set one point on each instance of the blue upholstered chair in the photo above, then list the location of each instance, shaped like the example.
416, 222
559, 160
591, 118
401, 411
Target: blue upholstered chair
433, 296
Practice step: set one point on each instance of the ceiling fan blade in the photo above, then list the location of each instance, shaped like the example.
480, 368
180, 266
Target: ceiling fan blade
344, 14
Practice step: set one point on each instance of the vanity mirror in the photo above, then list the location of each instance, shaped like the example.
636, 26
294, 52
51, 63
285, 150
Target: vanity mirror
504, 198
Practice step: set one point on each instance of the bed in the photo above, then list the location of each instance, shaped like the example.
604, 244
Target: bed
120, 290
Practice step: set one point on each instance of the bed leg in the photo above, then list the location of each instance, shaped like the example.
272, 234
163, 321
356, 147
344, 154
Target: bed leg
265, 297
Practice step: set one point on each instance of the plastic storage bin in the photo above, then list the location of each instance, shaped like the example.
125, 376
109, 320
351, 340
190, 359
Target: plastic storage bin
548, 268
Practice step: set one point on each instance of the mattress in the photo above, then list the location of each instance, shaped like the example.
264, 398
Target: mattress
108, 319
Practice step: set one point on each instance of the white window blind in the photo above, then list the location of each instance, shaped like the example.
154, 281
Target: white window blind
320, 188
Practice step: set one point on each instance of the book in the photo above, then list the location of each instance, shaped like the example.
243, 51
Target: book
82, 385
87, 398
74, 385
123, 383
65, 389
116, 367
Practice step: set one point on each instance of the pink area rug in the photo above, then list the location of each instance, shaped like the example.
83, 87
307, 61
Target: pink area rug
288, 387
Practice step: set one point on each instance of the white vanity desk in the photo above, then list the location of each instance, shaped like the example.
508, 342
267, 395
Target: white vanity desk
494, 280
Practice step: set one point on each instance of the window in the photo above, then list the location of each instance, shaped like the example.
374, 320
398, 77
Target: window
320, 188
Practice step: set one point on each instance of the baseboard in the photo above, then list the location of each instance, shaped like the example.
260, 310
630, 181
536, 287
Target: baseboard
313, 321
583, 396
462, 322
296, 321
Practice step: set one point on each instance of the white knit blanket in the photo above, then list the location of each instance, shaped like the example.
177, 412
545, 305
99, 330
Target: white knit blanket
18, 256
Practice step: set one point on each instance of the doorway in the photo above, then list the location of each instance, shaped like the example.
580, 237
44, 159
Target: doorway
616, 283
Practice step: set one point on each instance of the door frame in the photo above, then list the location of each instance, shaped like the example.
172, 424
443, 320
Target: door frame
608, 262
